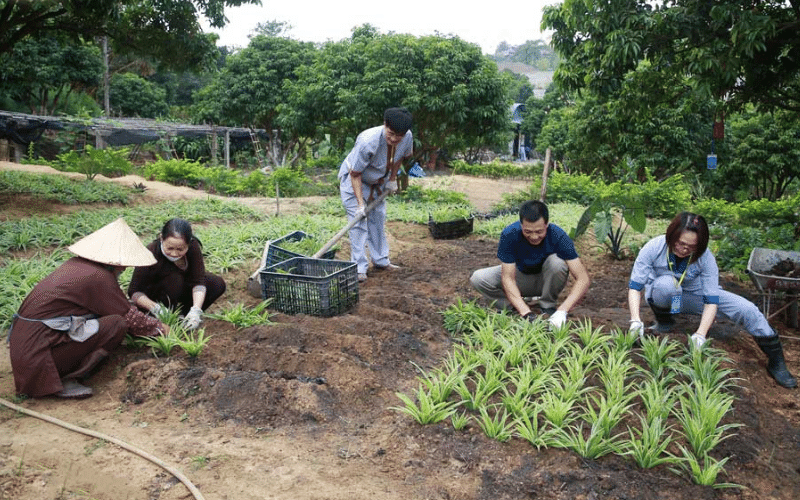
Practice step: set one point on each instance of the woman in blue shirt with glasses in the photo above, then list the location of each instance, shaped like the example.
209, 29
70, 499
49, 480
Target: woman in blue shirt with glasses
679, 275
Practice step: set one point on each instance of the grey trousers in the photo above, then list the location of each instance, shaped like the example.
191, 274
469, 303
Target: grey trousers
734, 307
369, 231
546, 285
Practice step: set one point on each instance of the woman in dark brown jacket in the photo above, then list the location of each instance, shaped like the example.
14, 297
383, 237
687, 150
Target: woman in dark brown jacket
179, 278
75, 316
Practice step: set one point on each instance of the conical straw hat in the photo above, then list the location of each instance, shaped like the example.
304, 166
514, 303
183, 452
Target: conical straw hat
115, 244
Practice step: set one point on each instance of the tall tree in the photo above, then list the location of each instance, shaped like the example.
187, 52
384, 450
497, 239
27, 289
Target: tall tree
457, 96
634, 133
252, 84
735, 51
165, 30
42, 72
763, 153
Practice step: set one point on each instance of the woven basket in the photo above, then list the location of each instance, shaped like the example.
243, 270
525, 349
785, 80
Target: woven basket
450, 229
276, 254
317, 287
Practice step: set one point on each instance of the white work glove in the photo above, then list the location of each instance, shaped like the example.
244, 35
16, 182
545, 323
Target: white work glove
637, 327
360, 212
391, 186
698, 340
193, 319
158, 310
557, 319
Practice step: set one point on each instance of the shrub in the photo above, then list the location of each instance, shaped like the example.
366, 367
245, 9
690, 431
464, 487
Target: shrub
572, 188
717, 211
178, 172
108, 162
416, 193
291, 181
496, 169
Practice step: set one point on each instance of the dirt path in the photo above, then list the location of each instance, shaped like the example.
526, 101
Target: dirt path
482, 193
300, 410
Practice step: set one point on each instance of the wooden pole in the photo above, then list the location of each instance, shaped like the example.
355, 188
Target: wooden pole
214, 154
227, 148
545, 172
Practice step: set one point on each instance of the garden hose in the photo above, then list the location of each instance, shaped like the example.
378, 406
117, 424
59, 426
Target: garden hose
122, 444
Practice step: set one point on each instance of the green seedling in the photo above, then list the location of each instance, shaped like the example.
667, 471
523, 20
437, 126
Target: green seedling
657, 352
459, 420
161, 344
193, 342
496, 427
528, 428
242, 317
648, 445
594, 445
704, 474
426, 410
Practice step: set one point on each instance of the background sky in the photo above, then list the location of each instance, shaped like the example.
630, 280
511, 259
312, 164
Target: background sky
486, 23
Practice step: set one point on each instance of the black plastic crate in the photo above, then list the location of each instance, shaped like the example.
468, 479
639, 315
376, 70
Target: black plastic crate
276, 254
301, 285
450, 229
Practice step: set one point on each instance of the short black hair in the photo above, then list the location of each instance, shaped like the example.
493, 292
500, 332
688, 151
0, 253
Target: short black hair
534, 210
398, 119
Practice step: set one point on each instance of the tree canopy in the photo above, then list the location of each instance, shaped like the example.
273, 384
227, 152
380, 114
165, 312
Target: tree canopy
43, 71
165, 30
251, 85
734, 51
457, 96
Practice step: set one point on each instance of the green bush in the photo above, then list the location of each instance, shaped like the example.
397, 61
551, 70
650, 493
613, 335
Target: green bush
292, 182
765, 213
571, 188
254, 184
497, 169
732, 246
738, 228
178, 172
416, 193
659, 199
224, 181
754, 213
717, 211
108, 162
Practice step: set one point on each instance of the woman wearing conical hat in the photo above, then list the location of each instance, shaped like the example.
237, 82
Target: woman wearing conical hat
76, 315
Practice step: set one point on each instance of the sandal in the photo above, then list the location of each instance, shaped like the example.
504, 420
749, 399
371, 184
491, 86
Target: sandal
74, 390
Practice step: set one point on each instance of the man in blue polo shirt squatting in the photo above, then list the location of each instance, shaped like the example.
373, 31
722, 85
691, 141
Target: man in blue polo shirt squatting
536, 258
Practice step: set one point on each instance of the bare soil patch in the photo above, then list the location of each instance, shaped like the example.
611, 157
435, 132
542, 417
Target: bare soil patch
300, 409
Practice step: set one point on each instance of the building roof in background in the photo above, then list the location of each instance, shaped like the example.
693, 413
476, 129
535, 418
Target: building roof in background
24, 129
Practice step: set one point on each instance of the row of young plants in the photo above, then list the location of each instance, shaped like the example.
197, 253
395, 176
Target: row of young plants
192, 342
62, 230
62, 189
582, 389
497, 169
114, 162
233, 237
